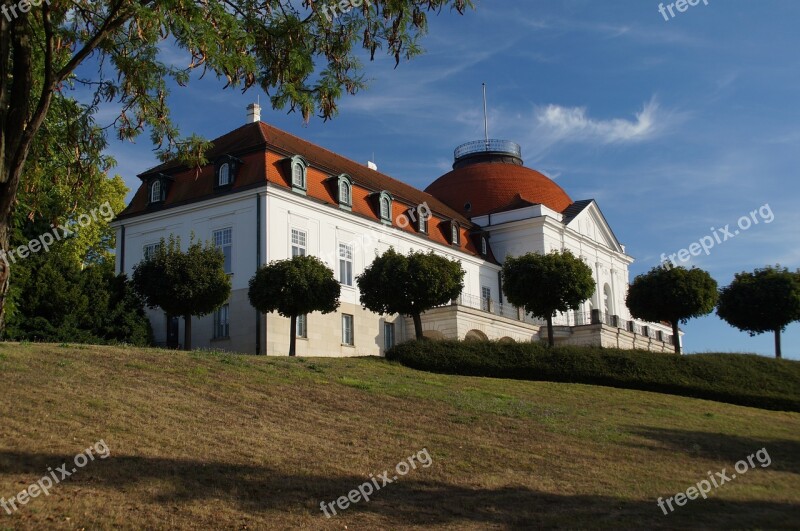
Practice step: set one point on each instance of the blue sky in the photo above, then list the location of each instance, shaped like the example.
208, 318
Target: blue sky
674, 127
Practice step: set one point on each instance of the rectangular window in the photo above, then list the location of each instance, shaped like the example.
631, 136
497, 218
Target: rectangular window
347, 330
345, 264
223, 239
221, 322
301, 328
388, 336
148, 251
486, 298
298, 242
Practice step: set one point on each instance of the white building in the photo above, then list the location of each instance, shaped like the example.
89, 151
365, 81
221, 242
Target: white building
267, 195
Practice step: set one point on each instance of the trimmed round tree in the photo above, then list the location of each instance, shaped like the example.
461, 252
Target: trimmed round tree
410, 284
187, 284
766, 300
543, 284
672, 294
293, 287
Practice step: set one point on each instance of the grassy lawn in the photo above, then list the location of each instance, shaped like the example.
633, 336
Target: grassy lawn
204, 440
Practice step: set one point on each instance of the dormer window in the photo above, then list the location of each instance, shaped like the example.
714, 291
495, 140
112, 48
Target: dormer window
345, 188
158, 187
422, 222
155, 192
298, 171
298, 179
484, 246
227, 167
224, 175
455, 233
385, 207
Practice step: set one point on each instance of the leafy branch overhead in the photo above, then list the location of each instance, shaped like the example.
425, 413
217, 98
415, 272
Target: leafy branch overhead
304, 61
128, 53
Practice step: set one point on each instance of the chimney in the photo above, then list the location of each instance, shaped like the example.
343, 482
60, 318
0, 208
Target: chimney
253, 113
371, 165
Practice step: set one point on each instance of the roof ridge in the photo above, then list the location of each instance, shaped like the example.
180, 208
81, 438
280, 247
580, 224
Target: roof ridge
165, 165
336, 155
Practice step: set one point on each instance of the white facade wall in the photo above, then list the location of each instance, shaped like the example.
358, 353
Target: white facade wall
325, 226
539, 229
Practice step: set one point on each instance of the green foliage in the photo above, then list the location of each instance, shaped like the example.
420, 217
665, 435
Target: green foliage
672, 294
766, 300
290, 49
66, 175
410, 284
126, 55
544, 284
53, 299
191, 283
735, 378
298, 286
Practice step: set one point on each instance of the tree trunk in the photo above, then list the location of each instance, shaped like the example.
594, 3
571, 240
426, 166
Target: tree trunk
418, 325
17, 124
5, 268
292, 337
778, 343
187, 332
676, 338
551, 340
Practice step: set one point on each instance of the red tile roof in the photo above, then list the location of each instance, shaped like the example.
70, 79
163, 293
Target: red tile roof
490, 187
263, 147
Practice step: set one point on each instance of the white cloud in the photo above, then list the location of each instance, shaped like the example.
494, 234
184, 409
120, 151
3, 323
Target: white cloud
572, 124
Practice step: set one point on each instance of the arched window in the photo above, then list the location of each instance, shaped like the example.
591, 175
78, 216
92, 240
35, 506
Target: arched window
484, 246
455, 234
298, 170
385, 207
224, 174
345, 191
155, 192
608, 300
297, 175
423, 221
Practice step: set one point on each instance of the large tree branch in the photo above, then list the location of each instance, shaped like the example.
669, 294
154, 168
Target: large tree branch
111, 23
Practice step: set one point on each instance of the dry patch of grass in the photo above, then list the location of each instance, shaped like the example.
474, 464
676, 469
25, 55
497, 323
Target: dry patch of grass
204, 440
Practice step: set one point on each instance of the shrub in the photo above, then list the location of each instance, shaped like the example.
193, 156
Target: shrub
742, 379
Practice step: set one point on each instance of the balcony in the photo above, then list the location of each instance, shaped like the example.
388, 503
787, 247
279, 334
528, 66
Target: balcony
570, 323
500, 147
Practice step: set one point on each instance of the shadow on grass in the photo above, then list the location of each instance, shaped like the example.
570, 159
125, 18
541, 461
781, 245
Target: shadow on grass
784, 454
409, 501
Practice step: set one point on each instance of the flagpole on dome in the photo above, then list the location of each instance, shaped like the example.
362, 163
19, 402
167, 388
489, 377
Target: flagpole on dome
485, 119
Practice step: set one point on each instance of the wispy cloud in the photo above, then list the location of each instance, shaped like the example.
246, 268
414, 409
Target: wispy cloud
573, 124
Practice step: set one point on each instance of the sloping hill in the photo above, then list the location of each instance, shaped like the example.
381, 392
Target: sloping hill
203, 440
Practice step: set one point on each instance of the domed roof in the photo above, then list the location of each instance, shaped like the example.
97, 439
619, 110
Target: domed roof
477, 189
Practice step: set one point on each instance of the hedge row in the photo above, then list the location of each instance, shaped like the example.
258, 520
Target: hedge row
742, 379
